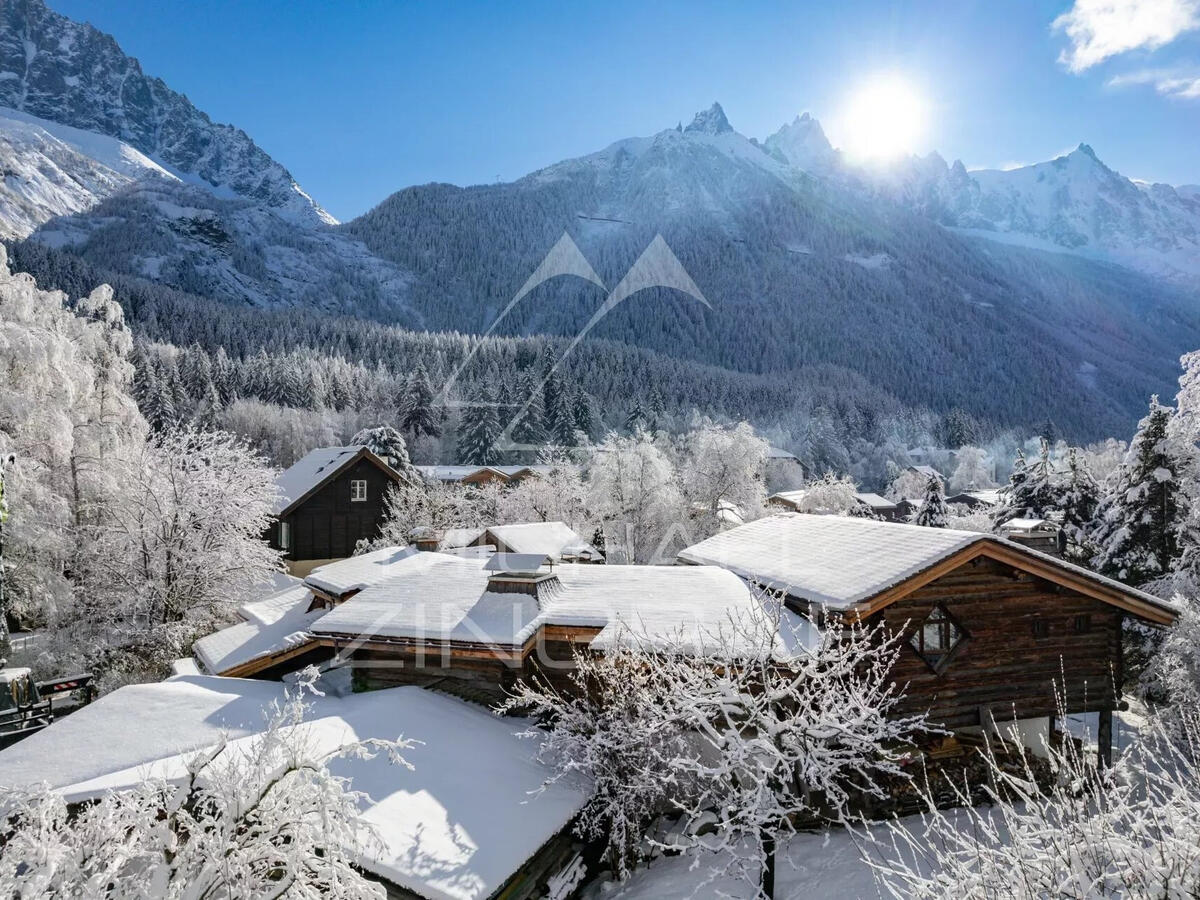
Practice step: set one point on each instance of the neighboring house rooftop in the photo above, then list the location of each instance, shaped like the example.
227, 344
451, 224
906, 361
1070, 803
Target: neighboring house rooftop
315, 468
928, 471
472, 810
845, 563
557, 540
779, 453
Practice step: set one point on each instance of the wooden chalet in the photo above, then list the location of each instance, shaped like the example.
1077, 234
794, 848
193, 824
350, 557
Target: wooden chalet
993, 631
327, 502
478, 475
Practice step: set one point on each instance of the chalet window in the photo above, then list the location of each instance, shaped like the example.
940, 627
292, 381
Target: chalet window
937, 637
1041, 628
358, 491
285, 536
1083, 623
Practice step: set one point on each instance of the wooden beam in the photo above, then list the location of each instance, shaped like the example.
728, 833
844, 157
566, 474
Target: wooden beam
258, 664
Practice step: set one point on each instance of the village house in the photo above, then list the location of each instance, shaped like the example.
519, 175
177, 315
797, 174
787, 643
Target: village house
556, 540
480, 474
881, 507
327, 502
994, 631
783, 470
471, 819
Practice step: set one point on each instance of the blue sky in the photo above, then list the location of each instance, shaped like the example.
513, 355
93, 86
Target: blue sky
363, 97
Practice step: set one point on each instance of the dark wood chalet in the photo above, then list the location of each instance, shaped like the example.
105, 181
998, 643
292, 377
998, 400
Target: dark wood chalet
993, 632
329, 501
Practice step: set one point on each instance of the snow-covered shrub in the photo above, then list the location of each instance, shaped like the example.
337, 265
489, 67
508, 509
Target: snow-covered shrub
1129, 831
740, 743
261, 817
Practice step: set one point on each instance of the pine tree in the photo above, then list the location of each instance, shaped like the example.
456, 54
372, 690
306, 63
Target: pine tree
637, 416
933, 513
388, 444
1144, 519
1078, 502
560, 419
1032, 491
478, 432
417, 415
531, 427
584, 412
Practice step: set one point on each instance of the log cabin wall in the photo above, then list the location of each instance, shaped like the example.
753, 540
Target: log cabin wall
1025, 637
328, 524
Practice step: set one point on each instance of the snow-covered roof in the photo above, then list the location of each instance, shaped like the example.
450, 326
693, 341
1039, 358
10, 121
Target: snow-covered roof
554, 539
840, 561
278, 623
990, 496
457, 825
779, 453
1020, 524
835, 561
460, 473
308, 472
434, 596
357, 572
874, 500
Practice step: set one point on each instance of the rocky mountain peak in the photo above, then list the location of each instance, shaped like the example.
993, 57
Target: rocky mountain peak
710, 121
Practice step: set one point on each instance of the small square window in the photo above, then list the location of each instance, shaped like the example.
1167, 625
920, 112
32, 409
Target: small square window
1083, 623
1041, 628
358, 491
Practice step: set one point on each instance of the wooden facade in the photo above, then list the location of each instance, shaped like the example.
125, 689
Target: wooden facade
330, 519
1026, 643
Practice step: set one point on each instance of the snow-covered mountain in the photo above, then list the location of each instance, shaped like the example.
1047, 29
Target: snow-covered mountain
72, 74
49, 170
1073, 203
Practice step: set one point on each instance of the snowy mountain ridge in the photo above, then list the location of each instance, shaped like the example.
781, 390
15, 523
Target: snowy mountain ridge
59, 70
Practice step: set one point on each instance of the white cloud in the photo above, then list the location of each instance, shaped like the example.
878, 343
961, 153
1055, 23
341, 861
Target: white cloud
1183, 85
1099, 29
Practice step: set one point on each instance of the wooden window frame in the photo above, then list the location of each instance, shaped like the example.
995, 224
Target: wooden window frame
354, 495
938, 661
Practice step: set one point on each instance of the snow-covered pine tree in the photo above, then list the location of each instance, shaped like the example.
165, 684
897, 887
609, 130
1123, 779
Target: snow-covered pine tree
531, 427
1031, 492
1143, 521
388, 444
560, 418
478, 431
417, 415
933, 512
637, 417
1078, 501
584, 412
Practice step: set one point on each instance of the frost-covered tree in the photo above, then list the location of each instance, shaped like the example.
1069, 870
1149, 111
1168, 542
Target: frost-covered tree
417, 415
1129, 831
907, 485
478, 432
736, 740
388, 444
634, 490
556, 495
173, 556
421, 506
722, 465
1144, 522
972, 471
1032, 491
530, 428
259, 817
829, 494
69, 422
1077, 502
933, 511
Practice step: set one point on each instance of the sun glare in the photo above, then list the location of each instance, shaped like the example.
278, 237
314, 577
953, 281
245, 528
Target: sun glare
884, 119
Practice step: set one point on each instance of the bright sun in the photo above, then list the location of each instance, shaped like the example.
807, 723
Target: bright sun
884, 119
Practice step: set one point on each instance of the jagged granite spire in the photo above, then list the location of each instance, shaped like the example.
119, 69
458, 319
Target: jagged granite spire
710, 121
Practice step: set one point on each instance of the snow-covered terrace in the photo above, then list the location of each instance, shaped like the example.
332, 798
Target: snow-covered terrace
457, 826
